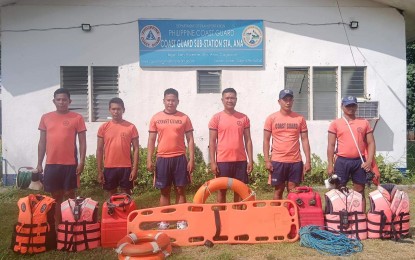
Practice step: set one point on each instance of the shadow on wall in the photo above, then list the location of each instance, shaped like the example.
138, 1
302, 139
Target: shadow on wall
383, 136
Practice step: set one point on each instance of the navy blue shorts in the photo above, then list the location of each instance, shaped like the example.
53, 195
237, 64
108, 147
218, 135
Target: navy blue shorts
115, 177
283, 172
59, 177
346, 167
171, 171
236, 170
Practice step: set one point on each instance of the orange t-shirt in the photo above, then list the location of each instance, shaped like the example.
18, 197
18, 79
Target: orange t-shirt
117, 143
285, 130
171, 130
230, 145
61, 131
345, 144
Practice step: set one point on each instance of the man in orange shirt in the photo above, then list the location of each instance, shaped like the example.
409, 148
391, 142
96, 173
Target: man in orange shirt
58, 131
170, 127
115, 139
348, 163
286, 128
229, 143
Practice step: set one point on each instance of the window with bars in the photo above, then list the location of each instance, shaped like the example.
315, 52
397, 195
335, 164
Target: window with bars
209, 81
321, 97
353, 81
91, 89
324, 93
297, 79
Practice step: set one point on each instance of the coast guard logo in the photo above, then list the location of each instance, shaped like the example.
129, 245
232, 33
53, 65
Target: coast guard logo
252, 36
23, 207
239, 123
150, 36
43, 208
65, 123
123, 135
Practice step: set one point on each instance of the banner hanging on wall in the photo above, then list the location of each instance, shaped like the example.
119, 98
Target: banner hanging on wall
193, 43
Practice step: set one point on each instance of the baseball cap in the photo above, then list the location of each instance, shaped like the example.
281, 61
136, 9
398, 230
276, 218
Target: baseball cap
349, 100
286, 92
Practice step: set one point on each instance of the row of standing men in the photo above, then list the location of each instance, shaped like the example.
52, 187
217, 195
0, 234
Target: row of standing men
230, 147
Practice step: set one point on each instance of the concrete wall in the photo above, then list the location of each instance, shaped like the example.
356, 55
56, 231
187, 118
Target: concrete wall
31, 64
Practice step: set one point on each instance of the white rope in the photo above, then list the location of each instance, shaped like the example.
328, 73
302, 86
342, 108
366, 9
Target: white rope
250, 195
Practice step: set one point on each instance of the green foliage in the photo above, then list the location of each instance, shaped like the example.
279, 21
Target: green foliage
144, 181
201, 172
259, 176
89, 176
388, 171
318, 172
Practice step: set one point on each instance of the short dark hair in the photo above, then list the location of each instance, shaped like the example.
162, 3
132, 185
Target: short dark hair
229, 90
171, 91
116, 100
62, 91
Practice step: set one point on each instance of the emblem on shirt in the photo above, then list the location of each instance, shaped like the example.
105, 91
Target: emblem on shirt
123, 135
252, 36
65, 123
150, 36
360, 130
239, 123
43, 208
356, 203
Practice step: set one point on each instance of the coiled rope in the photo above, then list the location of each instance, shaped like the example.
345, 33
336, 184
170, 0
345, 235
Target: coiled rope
327, 242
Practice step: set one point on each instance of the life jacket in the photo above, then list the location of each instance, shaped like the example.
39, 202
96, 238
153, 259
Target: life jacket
344, 213
388, 216
34, 231
80, 229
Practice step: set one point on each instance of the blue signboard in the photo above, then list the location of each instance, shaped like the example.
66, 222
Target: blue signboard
185, 43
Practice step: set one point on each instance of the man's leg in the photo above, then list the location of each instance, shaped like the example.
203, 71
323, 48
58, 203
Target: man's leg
180, 194
222, 196
361, 189
279, 190
165, 196
58, 196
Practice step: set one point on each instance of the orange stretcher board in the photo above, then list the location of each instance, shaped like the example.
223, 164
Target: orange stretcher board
250, 222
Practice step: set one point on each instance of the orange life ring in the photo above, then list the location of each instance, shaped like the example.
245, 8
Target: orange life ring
222, 183
149, 244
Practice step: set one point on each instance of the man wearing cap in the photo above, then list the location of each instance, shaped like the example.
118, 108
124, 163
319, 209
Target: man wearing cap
286, 128
348, 162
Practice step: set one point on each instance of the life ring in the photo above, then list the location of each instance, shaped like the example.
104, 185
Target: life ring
149, 244
223, 183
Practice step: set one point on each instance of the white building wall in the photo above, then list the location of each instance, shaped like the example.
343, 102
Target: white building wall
31, 64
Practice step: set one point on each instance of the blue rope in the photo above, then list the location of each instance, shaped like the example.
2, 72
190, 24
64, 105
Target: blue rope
327, 242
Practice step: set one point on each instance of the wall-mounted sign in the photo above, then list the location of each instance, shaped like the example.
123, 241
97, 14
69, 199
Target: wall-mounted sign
189, 43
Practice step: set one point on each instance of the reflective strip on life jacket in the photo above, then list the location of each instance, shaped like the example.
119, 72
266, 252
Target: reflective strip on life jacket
389, 214
81, 234
32, 232
346, 213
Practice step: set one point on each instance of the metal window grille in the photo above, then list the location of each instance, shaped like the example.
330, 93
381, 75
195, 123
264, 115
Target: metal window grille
75, 79
368, 109
353, 81
209, 81
104, 87
297, 79
324, 93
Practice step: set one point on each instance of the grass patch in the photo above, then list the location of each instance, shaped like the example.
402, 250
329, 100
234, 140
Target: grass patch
373, 249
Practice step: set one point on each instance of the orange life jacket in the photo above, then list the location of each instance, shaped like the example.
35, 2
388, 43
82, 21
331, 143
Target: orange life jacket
344, 213
34, 231
388, 216
79, 229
